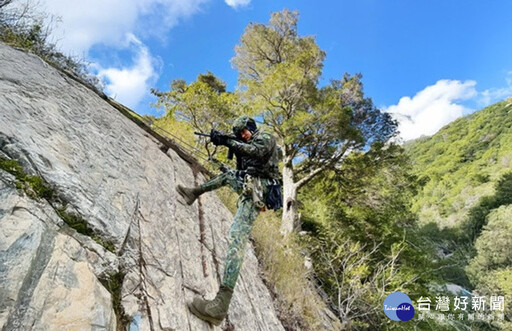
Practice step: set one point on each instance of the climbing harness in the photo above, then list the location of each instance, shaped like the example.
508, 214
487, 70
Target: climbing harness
252, 187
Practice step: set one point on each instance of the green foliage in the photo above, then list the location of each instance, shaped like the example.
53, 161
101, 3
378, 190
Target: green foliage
274, 63
199, 106
477, 215
148, 119
455, 240
365, 191
33, 186
23, 25
461, 163
503, 193
183, 130
490, 270
364, 242
36, 188
494, 246
212, 82
114, 284
279, 72
81, 226
466, 195
317, 126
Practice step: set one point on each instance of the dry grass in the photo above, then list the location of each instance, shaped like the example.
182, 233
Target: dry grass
283, 268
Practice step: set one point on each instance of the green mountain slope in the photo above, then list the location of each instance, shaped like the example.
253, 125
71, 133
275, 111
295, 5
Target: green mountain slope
461, 163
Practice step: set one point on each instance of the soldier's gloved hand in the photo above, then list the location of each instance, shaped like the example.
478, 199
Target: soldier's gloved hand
217, 138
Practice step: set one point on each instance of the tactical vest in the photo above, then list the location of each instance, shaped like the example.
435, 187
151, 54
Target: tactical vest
266, 166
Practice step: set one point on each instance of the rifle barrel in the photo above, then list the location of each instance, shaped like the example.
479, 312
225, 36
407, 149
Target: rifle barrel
201, 134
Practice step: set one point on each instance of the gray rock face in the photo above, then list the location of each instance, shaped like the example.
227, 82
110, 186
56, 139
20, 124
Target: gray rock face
114, 176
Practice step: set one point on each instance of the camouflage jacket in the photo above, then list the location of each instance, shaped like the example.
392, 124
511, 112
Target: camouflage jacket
260, 156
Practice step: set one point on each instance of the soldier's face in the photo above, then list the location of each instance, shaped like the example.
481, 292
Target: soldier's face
246, 135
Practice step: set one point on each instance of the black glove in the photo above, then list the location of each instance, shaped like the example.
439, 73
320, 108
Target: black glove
218, 138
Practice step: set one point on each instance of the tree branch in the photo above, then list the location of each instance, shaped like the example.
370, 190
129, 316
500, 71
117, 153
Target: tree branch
326, 165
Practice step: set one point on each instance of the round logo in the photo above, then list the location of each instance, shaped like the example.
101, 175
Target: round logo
398, 307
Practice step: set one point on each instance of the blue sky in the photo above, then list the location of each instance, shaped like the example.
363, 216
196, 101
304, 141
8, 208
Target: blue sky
427, 62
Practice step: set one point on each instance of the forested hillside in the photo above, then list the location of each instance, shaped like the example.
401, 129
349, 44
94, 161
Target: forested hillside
464, 204
461, 163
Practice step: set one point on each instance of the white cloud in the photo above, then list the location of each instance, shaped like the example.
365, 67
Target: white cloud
114, 24
432, 108
237, 3
86, 23
129, 85
493, 95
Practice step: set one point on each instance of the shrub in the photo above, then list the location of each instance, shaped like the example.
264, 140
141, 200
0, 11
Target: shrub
23, 26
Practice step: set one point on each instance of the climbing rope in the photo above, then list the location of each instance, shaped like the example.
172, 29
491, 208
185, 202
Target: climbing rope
192, 150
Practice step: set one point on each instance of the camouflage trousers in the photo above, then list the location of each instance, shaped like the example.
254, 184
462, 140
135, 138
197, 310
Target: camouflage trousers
241, 227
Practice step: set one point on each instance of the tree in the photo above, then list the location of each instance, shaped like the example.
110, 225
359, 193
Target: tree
490, 270
317, 127
204, 104
4, 3
477, 216
362, 236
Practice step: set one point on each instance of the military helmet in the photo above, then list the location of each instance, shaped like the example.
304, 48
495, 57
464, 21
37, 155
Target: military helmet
244, 122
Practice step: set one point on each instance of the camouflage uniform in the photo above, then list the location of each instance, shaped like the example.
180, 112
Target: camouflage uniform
257, 166
261, 146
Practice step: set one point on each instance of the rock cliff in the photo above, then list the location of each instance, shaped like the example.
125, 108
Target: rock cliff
142, 252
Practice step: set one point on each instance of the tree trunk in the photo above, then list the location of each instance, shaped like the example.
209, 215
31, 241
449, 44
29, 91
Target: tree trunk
290, 221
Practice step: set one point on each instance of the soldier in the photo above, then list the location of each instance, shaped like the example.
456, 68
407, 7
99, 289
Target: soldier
257, 180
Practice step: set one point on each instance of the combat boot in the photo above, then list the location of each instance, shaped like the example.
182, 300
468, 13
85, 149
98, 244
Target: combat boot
190, 193
213, 311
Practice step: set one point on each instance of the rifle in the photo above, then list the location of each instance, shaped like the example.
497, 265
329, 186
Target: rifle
230, 152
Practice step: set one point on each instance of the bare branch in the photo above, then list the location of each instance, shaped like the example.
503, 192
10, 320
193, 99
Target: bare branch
336, 158
4, 3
